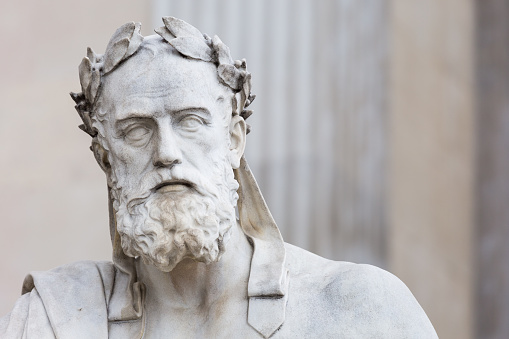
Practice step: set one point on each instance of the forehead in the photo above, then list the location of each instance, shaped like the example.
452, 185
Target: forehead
158, 72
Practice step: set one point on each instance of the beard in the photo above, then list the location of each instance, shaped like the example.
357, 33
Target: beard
165, 228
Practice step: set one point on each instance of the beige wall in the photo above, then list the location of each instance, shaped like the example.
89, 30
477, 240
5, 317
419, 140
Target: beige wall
52, 194
415, 78
431, 145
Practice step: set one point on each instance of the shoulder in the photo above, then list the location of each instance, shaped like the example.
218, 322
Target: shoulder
365, 300
59, 292
52, 299
12, 325
83, 285
77, 273
75, 280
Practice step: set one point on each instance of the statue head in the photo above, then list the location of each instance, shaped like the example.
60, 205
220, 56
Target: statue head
166, 115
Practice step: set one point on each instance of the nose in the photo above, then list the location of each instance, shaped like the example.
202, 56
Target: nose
167, 153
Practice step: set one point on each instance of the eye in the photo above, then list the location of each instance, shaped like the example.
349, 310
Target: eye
191, 123
137, 135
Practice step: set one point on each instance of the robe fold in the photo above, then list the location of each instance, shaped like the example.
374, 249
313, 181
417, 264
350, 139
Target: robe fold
70, 301
324, 299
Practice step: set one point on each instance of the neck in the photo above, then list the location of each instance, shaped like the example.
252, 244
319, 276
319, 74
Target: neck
195, 284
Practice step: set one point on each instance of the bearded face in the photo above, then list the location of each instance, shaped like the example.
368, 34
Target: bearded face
170, 144
180, 217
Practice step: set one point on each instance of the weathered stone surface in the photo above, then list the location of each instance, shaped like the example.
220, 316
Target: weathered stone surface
168, 130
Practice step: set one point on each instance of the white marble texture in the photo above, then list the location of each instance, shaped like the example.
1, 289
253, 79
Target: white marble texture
166, 114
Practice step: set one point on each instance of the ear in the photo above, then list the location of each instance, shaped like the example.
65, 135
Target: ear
237, 140
101, 156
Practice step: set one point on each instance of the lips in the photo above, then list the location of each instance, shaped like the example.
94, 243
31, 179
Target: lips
173, 186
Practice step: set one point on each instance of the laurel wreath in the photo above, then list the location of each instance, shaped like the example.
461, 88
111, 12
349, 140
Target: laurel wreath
186, 39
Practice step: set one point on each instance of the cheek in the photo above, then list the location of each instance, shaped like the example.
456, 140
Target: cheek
129, 160
206, 149
216, 142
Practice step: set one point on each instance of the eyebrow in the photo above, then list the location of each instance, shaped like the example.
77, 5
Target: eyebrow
144, 115
202, 110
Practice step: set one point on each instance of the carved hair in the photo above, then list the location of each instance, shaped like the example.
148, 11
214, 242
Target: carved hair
186, 39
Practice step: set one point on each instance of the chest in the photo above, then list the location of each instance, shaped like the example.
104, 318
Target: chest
220, 320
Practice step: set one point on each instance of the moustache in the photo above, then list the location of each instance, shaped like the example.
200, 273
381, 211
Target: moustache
169, 180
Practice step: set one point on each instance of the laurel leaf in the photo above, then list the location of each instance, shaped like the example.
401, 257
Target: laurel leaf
246, 114
243, 64
250, 100
230, 75
85, 71
164, 33
135, 40
208, 40
91, 55
192, 47
246, 87
180, 28
95, 81
242, 100
223, 52
123, 32
76, 97
115, 54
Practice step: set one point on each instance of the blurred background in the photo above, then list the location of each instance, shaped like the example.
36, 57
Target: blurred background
380, 135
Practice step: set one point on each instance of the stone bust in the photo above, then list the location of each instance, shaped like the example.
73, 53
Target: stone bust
166, 114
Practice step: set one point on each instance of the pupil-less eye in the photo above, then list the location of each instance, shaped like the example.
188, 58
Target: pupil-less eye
190, 122
137, 133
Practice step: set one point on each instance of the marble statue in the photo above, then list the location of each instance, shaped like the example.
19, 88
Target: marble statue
166, 114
